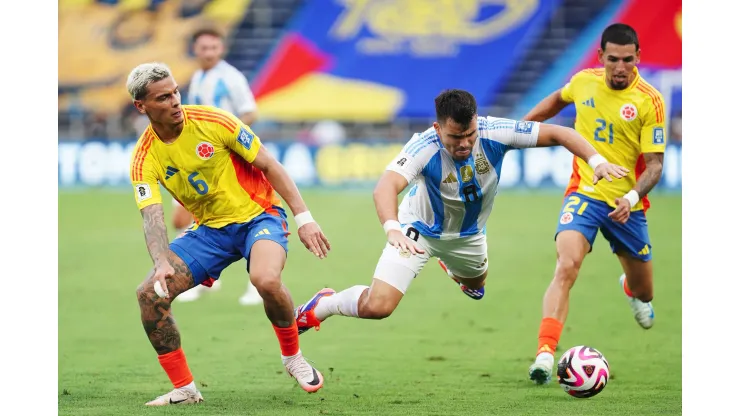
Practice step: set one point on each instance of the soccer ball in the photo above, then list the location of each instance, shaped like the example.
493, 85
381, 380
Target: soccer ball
583, 372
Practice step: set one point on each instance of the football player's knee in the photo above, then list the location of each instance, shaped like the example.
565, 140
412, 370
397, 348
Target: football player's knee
377, 309
567, 269
146, 295
266, 281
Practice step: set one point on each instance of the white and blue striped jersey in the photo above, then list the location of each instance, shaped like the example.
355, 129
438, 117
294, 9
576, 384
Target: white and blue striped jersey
222, 86
448, 198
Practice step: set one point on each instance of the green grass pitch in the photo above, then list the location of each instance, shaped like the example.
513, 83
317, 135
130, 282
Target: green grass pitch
440, 353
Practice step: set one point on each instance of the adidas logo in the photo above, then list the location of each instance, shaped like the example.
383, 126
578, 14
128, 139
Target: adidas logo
589, 103
170, 171
264, 231
645, 251
450, 178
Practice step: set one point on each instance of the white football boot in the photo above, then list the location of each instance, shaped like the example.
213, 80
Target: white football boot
642, 311
309, 378
177, 396
541, 371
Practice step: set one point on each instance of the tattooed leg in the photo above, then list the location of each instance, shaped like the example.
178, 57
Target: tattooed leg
156, 315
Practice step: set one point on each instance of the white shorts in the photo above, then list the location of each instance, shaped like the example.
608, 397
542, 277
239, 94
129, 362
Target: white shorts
465, 257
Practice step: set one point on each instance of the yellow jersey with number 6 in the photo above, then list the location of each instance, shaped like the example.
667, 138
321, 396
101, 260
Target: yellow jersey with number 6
207, 169
621, 125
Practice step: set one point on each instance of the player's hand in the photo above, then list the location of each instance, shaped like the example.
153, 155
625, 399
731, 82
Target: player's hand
622, 212
162, 270
314, 239
609, 170
403, 243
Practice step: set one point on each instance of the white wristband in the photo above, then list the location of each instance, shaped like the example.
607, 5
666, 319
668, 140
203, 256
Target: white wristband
596, 160
303, 218
391, 225
633, 197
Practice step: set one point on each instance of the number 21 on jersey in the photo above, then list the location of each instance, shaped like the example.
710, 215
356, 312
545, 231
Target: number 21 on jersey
602, 125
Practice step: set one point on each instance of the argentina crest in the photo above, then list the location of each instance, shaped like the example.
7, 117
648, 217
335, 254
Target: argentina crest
481, 164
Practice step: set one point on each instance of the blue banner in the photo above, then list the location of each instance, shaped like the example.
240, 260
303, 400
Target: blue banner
106, 164
386, 59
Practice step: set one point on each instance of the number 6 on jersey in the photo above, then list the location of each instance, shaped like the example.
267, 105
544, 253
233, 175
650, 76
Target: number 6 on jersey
201, 187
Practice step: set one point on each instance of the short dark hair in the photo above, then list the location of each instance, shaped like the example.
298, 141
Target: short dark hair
459, 105
207, 32
619, 34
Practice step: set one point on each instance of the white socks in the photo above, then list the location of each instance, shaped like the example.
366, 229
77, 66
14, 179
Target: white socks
344, 303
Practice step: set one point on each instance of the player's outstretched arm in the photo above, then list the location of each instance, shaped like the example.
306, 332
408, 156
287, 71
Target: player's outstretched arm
385, 195
548, 108
553, 135
308, 230
155, 234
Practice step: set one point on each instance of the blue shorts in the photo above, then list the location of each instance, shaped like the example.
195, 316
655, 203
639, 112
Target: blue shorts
208, 251
588, 216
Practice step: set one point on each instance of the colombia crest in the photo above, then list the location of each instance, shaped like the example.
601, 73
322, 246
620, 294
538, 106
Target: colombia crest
204, 150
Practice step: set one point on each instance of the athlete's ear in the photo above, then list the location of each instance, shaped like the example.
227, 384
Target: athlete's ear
139, 106
601, 55
637, 57
437, 129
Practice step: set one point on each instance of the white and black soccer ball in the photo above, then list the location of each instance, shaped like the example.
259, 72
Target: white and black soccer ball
583, 371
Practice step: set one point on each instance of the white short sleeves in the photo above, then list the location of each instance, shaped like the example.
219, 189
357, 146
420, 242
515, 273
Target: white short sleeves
415, 155
241, 96
518, 134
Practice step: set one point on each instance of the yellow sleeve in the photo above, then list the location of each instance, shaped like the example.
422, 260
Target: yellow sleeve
242, 140
653, 134
566, 93
144, 180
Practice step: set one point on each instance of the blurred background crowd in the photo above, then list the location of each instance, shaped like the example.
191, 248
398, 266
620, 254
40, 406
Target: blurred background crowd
337, 81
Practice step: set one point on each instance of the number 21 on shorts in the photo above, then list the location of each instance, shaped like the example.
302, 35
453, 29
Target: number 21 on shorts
574, 205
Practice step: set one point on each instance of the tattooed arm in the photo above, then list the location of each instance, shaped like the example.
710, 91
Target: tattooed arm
648, 179
651, 176
155, 232
652, 146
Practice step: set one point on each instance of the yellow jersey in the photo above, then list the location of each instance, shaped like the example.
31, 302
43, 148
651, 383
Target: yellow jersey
621, 125
207, 169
